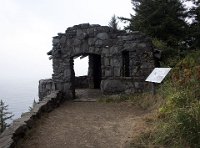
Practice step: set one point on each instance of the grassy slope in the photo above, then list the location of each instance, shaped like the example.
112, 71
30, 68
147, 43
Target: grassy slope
176, 122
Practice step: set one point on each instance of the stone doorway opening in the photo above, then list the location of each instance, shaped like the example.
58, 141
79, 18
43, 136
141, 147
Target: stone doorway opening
91, 80
94, 71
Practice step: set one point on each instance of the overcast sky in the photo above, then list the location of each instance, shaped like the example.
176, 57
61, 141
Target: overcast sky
27, 28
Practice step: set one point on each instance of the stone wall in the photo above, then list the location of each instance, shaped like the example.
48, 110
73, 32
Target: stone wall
46, 86
18, 129
123, 57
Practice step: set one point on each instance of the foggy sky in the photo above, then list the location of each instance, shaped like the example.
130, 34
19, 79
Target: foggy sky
27, 28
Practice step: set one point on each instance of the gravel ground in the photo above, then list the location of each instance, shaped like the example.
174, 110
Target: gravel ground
85, 125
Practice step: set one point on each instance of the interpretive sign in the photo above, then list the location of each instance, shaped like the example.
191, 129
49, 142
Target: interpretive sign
158, 74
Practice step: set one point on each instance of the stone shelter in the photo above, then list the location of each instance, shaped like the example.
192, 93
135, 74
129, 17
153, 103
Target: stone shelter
119, 61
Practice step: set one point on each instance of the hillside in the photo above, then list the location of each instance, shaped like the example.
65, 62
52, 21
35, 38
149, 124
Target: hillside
176, 123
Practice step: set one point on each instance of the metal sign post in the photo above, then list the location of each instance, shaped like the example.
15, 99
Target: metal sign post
153, 88
157, 76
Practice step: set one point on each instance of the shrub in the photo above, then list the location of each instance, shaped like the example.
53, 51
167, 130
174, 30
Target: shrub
4, 116
179, 123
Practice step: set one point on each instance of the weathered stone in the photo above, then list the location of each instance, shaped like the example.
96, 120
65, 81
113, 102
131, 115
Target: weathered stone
67, 73
76, 50
63, 39
115, 62
112, 86
130, 46
45, 87
102, 36
114, 49
99, 43
85, 25
19, 128
142, 45
106, 51
137, 85
97, 50
113, 55
55, 41
106, 61
81, 35
125, 38
91, 41
91, 50
117, 72
84, 46
146, 66
28, 120
77, 42
108, 73
67, 86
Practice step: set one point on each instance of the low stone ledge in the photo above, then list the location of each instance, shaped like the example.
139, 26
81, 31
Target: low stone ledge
18, 129
46, 86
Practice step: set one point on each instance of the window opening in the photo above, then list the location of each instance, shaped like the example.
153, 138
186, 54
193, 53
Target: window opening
126, 64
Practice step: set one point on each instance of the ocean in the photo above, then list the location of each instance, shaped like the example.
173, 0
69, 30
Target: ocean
19, 95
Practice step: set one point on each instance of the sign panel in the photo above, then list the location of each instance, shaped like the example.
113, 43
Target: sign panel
158, 74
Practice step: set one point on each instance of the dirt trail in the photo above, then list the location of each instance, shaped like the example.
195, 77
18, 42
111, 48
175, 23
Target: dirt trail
85, 125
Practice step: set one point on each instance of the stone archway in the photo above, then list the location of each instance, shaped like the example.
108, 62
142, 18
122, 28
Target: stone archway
126, 58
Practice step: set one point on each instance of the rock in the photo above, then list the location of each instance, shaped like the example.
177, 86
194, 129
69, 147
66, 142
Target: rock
77, 42
45, 87
137, 85
112, 86
102, 36
81, 35
107, 73
98, 43
91, 41
106, 61
117, 71
63, 39
55, 41
142, 45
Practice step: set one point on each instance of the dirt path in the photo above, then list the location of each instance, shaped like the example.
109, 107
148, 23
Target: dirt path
85, 125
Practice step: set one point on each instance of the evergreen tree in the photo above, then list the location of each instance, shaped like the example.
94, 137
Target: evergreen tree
195, 25
114, 23
162, 19
4, 116
33, 105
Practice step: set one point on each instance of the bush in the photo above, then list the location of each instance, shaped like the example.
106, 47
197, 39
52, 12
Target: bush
179, 123
4, 116
181, 128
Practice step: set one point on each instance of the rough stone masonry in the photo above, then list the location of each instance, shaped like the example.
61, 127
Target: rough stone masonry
119, 61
